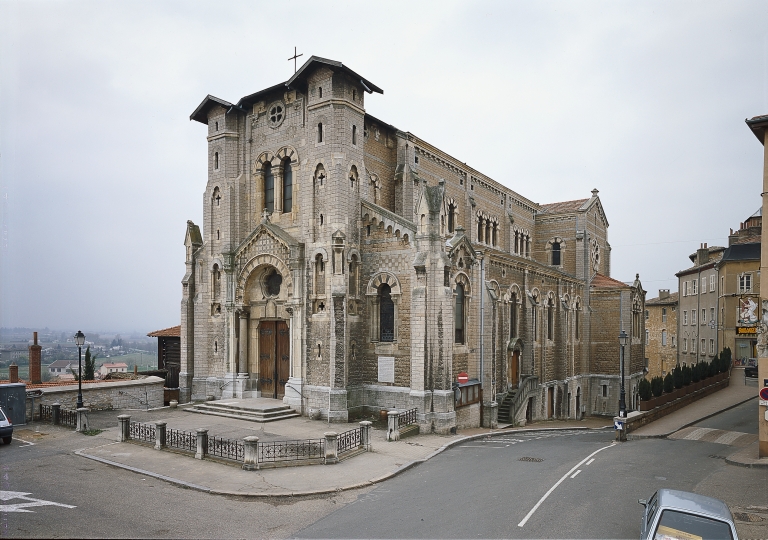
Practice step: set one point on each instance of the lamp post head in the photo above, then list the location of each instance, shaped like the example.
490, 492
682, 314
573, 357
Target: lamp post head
79, 338
623, 337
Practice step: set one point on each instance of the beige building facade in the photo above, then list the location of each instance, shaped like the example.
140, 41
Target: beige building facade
661, 334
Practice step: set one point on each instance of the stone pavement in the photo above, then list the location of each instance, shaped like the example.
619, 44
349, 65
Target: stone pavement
386, 459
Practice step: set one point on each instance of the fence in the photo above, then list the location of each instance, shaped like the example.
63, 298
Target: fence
249, 451
406, 418
58, 416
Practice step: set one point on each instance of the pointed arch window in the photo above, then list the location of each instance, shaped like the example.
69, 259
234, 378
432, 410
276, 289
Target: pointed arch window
555, 253
576, 319
386, 314
287, 186
354, 135
451, 218
320, 132
216, 276
551, 319
319, 275
269, 188
458, 315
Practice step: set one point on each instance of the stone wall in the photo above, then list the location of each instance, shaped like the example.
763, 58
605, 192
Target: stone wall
139, 394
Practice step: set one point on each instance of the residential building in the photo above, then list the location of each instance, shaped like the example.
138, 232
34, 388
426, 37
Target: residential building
661, 334
697, 307
107, 368
739, 298
346, 266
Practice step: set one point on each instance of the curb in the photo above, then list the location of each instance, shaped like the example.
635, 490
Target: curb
308, 493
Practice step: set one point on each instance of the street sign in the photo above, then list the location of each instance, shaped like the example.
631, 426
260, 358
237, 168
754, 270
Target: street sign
764, 393
462, 377
618, 425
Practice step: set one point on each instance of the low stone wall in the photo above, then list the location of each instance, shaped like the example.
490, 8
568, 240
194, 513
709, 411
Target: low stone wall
129, 394
637, 420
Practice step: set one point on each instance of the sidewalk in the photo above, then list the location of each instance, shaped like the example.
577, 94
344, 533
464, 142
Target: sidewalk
385, 461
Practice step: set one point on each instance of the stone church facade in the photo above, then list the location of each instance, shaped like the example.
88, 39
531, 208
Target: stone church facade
345, 266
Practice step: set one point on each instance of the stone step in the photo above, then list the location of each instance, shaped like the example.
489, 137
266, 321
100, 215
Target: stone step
263, 415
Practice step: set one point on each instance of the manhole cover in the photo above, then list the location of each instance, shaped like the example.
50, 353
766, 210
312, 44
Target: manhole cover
715, 456
531, 459
749, 518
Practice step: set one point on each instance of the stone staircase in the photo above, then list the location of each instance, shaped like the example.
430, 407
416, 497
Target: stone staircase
506, 408
241, 411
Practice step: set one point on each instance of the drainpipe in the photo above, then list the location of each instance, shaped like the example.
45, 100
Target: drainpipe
482, 319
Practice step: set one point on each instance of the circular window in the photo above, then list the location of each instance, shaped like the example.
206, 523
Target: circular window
272, 283
276, 114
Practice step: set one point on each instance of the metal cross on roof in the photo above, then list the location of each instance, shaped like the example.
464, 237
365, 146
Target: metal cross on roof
294, 57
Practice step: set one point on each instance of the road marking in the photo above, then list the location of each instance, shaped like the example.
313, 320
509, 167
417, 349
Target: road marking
25, 442
574, 475
22, 507
590, 461
566, 475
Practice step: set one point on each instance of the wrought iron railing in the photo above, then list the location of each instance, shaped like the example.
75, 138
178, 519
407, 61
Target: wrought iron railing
142, 432
406, 418
46, 413
183, 440
275, 451
226, 448
350, 440
66, 417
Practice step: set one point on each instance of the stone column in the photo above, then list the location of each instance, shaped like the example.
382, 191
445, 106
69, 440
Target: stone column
56, 411
242, 363
278, 174
124, 422
159, 435
365, 426
491, 414
202, 443
393, 430
251, 454
331, 447
82, 419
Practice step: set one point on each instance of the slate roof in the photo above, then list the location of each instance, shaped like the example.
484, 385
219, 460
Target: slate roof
604, 282
742, 252
563, 207
173, 331
60, 363
758, 124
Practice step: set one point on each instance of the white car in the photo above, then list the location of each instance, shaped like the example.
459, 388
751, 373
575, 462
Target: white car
681, 515
6, 427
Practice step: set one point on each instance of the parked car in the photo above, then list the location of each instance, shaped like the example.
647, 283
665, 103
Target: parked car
6, 428
750, 371
672, 514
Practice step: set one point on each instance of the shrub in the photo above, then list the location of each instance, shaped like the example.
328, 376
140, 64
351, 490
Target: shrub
695, 373
725, 360
644, 389
703, 369
669, 383
687, 375
677, 377
713, 369
657, 386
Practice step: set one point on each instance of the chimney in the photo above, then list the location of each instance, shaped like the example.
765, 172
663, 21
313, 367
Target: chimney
663, 293
702, 255
35, 356
13, 373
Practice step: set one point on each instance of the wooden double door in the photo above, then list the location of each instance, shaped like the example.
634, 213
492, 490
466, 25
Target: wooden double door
274, 358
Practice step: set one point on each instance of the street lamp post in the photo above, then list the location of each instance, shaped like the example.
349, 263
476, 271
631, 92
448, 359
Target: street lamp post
622, 404
79, 340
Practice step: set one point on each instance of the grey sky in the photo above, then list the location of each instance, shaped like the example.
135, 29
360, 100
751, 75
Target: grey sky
100, 166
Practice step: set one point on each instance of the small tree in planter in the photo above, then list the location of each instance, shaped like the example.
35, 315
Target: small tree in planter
644, 389
677, 377
703, 370
713, 367
657, 386
725, 360
695, 376
687, 375
669, 383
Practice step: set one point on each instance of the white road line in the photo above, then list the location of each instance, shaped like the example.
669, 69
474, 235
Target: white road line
590, 461
574, 475
566, 475
25, 442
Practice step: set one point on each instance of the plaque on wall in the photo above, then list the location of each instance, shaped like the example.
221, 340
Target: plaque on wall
387, 369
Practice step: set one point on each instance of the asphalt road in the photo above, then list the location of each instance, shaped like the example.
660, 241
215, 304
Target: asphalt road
585, 487
566, 484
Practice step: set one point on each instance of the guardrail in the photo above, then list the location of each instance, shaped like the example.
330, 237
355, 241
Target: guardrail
58, 416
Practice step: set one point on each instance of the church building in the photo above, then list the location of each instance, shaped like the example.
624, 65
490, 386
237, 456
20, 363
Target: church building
344, 266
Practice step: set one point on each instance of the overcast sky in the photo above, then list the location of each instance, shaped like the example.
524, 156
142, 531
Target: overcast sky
100, 166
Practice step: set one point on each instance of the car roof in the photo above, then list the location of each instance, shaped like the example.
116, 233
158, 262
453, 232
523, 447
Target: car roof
693, 502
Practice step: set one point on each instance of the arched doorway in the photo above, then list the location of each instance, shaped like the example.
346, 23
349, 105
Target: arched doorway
274, 358
514, 351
